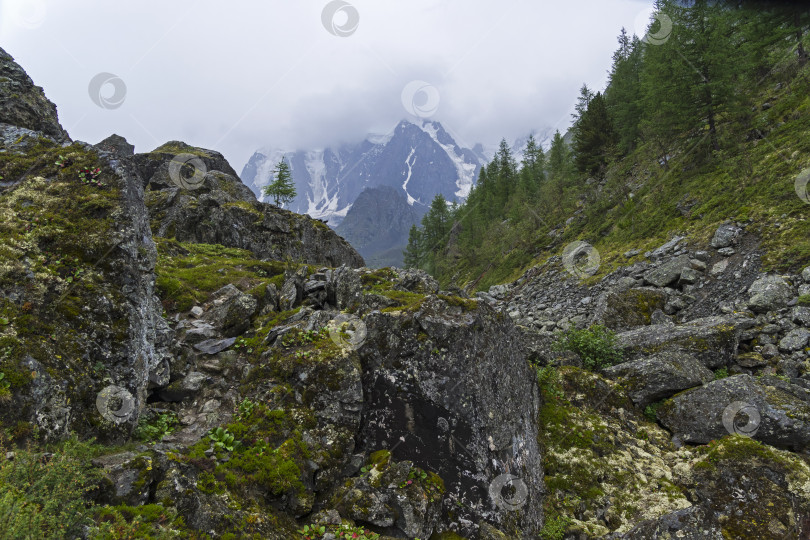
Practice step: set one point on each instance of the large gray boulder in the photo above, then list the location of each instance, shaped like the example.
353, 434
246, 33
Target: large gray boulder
668, 272
725, 236
659, 376
624, 309
712, 340
768, 409
449, 389
769, 293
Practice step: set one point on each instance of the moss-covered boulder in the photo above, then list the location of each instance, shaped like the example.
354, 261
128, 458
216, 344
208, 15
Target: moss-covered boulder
659, 376
712, 340
767, 409
81, 327
739, 488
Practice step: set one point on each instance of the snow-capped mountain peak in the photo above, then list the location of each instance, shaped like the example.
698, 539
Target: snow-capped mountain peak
420, 160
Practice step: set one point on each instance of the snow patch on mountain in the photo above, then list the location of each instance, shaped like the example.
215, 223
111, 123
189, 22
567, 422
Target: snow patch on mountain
410, 165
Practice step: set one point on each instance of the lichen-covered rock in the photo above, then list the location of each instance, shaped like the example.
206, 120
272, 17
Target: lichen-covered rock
230, 310
443, 392
198, 197
767, 409
668, 272
659, 376
24, 105
769, 293
624, 309
712, 340
77, 267
739, 489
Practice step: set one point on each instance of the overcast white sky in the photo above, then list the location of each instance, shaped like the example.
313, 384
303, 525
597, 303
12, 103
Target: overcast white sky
236, 76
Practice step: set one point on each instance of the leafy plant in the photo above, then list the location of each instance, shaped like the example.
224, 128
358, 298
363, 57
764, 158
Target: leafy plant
222, 438
313, 532
596, 346
721, 373
157, 428
246, 408
5, 388
549, 380
651, 411
90, 177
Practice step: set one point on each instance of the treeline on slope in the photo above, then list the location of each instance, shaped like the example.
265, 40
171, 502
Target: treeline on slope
677, 126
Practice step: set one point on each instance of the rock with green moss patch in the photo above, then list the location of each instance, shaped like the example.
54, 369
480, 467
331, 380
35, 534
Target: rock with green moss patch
768, 409
23, 104
659, 376
712, 340
624, 309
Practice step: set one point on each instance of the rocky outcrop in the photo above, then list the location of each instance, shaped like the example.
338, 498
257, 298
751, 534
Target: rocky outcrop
82, 329
194, 195
23, 104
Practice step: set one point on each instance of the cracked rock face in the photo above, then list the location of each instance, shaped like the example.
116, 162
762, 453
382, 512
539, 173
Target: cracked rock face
450, 391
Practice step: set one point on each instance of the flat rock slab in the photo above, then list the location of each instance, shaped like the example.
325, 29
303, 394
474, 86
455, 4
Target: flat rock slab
214, 346
712, 340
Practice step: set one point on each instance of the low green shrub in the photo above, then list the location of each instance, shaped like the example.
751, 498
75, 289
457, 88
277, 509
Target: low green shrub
596, 346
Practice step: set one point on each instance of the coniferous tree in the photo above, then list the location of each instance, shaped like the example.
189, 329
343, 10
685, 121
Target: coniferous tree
594, 139
282, 188
413, 254
623, 94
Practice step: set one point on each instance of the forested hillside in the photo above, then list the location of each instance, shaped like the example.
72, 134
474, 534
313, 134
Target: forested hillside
703, 119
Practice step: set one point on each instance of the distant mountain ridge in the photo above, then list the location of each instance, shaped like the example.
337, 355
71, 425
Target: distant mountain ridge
419, 160
378, 223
